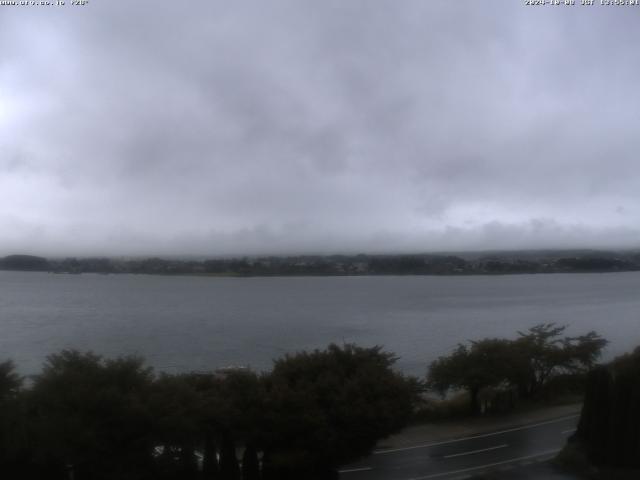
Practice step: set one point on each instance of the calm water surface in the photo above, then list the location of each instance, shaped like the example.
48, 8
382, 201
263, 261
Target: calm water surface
199, 323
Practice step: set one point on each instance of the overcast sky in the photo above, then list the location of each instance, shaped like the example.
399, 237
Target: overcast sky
218, 127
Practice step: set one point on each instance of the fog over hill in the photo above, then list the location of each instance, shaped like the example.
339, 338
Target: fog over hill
287, 127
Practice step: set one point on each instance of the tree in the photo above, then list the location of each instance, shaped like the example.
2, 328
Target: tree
177, 408
210, 467
12, 428
543, 353
329, 407
199, 411
250, 463
10, 381
485, 363
238, 414
526, 363
609, 426
229, 467
90, 416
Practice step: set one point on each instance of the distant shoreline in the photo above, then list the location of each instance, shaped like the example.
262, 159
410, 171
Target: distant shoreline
501, 263
329, 275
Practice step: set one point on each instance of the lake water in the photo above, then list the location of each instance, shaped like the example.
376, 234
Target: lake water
200, 323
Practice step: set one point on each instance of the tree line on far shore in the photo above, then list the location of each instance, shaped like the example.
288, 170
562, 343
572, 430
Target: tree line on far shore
499, 263
85, 417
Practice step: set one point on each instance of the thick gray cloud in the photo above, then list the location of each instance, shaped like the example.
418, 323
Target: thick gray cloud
288, 126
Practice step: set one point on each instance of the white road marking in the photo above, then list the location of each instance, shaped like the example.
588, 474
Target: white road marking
472, 452
488, 465
484, 435
351, 470
566, 432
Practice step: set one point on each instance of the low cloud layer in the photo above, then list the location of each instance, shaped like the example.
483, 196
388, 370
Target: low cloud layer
275, 127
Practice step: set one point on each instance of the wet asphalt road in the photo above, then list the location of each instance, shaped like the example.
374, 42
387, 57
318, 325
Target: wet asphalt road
502, 451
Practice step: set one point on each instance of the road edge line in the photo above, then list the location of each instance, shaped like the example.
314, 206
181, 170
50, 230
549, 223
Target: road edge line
488, 465
471, 437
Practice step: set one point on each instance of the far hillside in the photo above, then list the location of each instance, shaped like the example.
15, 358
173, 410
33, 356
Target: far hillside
24, 262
